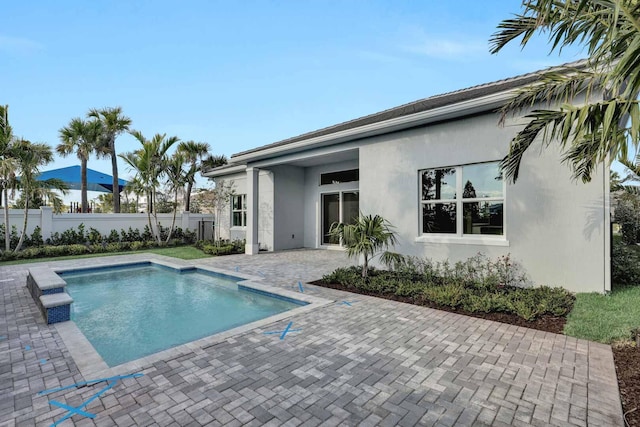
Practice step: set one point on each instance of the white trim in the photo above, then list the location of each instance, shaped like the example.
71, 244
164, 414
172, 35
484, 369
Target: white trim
224, 172
446, 112
460, 236
466, 240
606, 172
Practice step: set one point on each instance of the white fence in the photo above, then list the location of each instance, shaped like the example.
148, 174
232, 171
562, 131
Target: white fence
51, 223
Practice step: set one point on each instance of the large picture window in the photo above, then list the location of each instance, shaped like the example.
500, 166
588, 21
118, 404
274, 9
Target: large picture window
462, 200
239, 210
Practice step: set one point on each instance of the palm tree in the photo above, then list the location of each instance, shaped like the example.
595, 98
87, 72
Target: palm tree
368, 237
594, 131
8, 166
114, 123
148, 163
194, 153
81, 137
176, 179
30, 157
213, 161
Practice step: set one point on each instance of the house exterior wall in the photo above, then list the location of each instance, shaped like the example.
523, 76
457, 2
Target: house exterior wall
555, 228
288, 206
265, 210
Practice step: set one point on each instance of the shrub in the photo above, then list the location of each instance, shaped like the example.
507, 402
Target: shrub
113, 237
94, 236
477, 285
217, 250
36, 237
627, 214
625, 264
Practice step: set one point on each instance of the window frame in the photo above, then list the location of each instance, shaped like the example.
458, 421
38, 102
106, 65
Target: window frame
460, 236
242, 210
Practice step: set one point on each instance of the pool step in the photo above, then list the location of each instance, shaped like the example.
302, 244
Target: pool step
56, 307
47, 290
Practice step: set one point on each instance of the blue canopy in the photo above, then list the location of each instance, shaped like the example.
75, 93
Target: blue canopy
96, 181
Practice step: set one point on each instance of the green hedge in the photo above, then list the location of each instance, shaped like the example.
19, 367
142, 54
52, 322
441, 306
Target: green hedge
77, 249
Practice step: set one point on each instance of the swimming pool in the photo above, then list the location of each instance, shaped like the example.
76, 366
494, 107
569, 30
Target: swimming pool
128, 312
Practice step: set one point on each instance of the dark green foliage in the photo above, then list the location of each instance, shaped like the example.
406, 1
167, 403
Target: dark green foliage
478, 285
218, 250
221, 247
625, 264
113, 237
147, 234
94, 237
77, 242
627, 214
36, 238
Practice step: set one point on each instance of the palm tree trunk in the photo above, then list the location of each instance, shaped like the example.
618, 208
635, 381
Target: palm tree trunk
155, 219
83, 185
187, 197
149, 211
365, 267
114, 172
26, 218
7, 236
175, 210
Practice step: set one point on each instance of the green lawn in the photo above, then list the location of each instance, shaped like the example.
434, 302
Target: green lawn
605, 318
182, 252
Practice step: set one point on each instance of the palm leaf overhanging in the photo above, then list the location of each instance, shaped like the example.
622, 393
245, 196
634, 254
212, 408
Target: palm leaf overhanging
589, 128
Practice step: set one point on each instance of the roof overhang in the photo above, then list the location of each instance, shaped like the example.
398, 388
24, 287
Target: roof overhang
447, 112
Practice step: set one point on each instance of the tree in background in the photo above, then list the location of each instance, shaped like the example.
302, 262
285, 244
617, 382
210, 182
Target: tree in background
30, 157
176, 179
113, 123
595, 131
194, 153
149, 164
8, 166
219, 197
80, 137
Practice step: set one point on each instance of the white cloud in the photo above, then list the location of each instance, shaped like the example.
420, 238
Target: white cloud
444, 48
18, 45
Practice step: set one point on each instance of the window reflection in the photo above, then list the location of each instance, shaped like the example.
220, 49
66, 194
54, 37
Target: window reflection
439, 218
438, 184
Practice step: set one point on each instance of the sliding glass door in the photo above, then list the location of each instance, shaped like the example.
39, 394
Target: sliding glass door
338, 207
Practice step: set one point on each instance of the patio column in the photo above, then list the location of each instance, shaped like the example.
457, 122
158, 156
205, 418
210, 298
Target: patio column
251, 247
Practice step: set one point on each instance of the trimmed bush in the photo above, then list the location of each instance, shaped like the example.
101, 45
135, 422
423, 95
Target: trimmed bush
478, 285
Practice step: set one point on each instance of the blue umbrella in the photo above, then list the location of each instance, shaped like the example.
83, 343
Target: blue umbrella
96, 181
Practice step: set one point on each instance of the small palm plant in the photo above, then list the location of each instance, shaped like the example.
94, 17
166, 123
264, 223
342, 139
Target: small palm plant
369, 236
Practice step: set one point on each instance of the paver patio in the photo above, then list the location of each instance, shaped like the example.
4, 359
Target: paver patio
373, 362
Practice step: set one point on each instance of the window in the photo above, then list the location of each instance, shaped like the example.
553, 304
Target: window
462, 200
239, 210
339, 177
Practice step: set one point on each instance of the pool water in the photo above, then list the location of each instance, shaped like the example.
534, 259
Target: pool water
131, 312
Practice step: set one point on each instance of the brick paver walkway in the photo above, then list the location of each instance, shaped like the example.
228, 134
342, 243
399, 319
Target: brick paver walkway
374, 362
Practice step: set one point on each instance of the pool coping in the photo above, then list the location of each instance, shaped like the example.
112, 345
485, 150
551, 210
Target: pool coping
90, 363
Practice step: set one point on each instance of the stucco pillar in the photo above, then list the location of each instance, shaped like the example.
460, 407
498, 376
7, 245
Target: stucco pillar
46, 221
251, 247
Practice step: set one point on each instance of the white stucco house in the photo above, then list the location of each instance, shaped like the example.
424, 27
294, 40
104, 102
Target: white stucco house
430, 168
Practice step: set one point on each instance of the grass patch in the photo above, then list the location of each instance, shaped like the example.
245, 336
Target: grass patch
182, 252
605, 318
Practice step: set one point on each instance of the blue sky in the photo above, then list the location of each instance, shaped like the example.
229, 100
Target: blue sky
242, 74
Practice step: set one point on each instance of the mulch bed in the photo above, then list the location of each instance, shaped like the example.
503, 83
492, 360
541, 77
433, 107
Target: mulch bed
626, 357
545, 323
